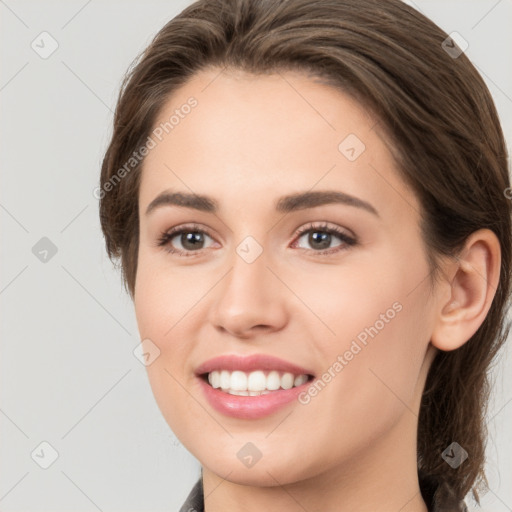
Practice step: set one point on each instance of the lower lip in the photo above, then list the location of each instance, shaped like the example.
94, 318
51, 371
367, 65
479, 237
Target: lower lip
249, 407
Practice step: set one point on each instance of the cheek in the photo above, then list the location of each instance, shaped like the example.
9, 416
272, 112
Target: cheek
168, 313
158, 309
364, 302
165, 298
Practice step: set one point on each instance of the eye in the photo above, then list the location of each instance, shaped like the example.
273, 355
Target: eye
321, 236
190, 238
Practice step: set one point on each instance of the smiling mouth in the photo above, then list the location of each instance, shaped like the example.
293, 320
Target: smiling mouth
254, 383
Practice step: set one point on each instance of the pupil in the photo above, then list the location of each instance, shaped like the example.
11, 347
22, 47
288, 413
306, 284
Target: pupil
325, 239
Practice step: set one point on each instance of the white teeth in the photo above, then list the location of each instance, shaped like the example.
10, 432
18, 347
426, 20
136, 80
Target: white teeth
254, 383
214, 379
238, 381
273, 381
300, 379
225, 379
287, 381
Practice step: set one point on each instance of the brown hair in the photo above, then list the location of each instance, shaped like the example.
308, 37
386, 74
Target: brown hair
445, 136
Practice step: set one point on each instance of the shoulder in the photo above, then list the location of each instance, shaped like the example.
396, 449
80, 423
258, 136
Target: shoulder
195, 499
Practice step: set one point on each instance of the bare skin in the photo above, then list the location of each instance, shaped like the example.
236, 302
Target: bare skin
249, 141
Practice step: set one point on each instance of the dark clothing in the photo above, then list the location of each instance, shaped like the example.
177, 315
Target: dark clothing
441, 499
195, 500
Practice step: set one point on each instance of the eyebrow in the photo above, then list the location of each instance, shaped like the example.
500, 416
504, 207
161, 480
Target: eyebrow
285, 204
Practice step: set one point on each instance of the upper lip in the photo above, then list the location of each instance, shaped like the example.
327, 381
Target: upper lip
232, 362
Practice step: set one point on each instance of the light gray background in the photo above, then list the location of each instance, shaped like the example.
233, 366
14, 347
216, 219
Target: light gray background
68, 374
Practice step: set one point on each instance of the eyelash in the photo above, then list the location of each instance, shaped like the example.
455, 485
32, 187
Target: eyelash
167, 236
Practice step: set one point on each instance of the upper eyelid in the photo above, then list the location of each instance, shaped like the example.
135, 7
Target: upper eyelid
304, 228
324, 226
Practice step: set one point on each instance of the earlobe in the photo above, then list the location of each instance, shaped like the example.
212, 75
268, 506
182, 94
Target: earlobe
476, 274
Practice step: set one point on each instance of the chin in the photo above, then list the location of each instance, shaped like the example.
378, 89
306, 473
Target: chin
270, 470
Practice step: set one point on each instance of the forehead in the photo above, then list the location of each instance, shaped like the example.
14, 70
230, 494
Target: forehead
248, 135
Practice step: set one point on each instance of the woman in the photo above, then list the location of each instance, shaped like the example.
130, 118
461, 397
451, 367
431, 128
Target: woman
309, 203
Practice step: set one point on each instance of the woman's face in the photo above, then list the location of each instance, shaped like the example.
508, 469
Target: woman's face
353, 308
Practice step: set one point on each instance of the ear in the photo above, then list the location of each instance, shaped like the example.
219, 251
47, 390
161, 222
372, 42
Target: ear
470, 291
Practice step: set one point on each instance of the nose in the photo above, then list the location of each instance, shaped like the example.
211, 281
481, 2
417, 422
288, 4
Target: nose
250, 300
